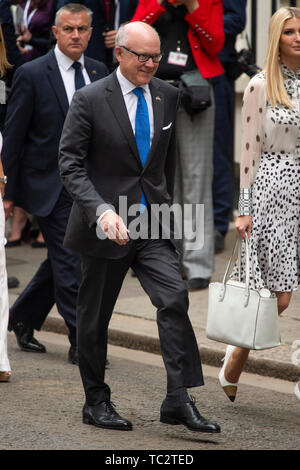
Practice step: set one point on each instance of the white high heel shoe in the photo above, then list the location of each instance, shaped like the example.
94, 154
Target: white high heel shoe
297, 391
229, 388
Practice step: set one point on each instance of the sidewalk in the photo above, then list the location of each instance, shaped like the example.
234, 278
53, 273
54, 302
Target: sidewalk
133, 323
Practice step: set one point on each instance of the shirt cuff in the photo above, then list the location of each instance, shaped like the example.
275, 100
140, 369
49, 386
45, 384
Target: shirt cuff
245, 201
105, 212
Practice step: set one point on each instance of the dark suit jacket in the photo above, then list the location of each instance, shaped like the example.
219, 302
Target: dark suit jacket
36, 112
99, 160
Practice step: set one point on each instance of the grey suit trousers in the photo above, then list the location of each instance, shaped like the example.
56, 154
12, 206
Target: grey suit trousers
156, 265
193, 185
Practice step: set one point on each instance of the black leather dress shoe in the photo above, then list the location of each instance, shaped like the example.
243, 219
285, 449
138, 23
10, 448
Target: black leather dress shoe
13, 243
188, 415
73, 355
105, 416
25, 338
12, 282
198, 283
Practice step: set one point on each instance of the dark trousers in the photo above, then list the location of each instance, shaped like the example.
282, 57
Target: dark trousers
57, 278
223, 152
156, 266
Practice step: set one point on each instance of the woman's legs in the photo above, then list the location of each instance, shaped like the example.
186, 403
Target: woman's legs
236, 364
18, 223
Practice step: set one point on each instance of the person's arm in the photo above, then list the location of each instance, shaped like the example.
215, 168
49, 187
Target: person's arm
73, 150
234, 16
2, 184
14, 56
253, 113
148, 11
18, 118
207, 23
41, 43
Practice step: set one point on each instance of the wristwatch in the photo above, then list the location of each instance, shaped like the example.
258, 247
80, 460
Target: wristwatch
3, 180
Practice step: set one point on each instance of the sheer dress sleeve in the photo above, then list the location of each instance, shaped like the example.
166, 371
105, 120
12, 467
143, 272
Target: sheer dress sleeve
253, 112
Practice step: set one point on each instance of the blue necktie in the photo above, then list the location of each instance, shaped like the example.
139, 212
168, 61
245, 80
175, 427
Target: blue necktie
142, 131
79, 80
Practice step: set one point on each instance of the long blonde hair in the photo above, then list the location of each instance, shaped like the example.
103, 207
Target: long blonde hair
4, 64
274, 80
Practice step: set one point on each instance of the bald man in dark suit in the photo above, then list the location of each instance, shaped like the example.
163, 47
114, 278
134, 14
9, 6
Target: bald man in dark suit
119, 141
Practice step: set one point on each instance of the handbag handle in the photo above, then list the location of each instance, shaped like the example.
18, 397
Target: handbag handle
238, 243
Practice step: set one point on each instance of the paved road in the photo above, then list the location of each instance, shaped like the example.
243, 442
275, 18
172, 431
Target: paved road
41, 406
133, 324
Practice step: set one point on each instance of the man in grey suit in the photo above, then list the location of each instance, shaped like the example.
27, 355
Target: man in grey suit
118, 141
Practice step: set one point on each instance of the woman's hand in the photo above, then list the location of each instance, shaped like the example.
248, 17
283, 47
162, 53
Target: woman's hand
243, 224
25, 36
191, 5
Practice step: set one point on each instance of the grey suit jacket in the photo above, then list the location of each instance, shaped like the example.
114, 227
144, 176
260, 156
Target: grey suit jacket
99, 160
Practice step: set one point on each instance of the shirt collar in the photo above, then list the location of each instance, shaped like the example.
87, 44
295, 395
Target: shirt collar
291, 81
126, 85
288, 73
64, 61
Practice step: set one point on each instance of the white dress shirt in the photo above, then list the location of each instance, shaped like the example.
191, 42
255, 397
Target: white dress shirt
68, 72
131, 101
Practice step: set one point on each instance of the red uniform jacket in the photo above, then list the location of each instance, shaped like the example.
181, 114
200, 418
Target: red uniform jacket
205, 33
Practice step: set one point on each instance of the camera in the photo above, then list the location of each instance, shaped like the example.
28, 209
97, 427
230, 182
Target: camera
246, 63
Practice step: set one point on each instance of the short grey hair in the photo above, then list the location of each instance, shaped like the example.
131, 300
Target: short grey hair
121, 36
72, 8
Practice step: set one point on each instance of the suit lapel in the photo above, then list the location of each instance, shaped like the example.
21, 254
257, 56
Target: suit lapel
116, 102
91, 71
158, 118
57, 83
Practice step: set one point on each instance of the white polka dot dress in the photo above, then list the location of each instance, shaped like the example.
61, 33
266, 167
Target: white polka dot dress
270, 184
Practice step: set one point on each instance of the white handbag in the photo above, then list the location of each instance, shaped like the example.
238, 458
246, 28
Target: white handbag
241, 316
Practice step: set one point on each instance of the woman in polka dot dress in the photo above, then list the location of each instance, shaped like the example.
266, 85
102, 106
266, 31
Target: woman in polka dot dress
269, 205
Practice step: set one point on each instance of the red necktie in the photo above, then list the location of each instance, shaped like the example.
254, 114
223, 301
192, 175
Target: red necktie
107, 8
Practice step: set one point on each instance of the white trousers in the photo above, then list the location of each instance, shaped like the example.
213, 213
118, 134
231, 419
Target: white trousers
4, 306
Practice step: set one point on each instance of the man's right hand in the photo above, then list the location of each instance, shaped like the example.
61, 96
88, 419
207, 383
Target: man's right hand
8, 208
112, 224
110, 38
